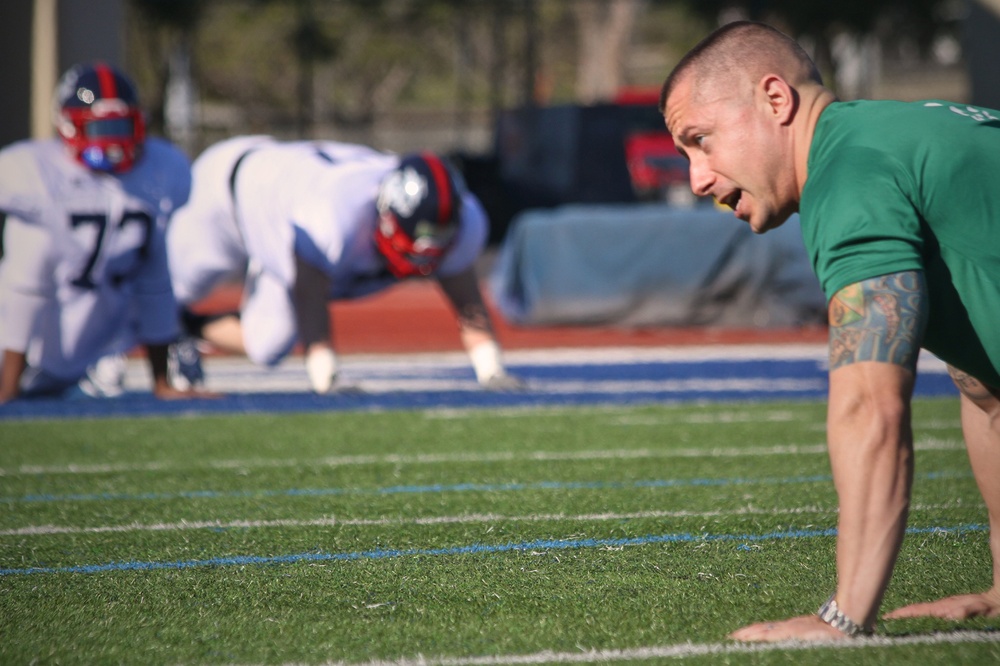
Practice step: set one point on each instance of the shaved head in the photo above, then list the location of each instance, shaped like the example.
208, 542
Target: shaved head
737, 55
742, 107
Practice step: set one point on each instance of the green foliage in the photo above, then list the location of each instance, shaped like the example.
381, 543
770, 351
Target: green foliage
353, 68
182, 14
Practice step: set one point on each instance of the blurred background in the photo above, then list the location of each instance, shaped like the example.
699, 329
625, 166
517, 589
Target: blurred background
541, 103
447, 74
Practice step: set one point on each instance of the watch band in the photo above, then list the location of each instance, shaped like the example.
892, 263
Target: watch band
833, 616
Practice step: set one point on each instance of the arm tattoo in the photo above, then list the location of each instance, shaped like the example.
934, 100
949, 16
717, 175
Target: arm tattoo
881, 319
973, 389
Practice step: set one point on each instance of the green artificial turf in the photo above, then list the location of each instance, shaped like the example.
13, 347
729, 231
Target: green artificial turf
455, 535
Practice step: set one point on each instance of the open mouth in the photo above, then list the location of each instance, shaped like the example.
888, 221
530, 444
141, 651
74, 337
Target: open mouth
732, 199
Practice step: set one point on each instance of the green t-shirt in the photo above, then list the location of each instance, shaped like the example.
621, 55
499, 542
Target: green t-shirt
900, 186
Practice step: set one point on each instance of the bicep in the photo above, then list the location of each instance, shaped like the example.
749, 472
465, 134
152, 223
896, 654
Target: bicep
876, 330
881, 319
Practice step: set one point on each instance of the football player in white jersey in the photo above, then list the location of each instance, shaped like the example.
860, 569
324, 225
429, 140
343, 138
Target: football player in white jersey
83, 265
308, 222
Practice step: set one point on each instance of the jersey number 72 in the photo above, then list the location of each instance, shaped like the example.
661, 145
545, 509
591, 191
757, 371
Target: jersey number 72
117, 272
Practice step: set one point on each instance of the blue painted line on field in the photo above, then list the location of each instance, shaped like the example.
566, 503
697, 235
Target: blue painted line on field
471, 549
440, 488
764, 379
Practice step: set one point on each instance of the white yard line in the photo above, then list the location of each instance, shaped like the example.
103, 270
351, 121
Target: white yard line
446, 370
929, 443
684, 650
37, 530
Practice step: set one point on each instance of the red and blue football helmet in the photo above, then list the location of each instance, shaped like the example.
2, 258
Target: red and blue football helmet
418, 206
97, 114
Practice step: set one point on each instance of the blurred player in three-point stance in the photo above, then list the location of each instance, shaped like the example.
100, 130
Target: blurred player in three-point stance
900, 212
83, 266
308, 222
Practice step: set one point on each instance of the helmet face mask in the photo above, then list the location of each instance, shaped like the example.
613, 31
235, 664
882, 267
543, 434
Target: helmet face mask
418, 207
98, 117
407, 256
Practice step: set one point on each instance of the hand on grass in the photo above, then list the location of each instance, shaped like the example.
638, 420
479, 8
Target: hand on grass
341, 387
802, 628
504, 382
958, 607
321, 366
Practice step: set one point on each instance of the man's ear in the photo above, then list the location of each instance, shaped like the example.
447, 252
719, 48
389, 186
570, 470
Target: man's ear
782, 100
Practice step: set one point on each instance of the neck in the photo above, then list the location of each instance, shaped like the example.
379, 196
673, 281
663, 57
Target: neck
812, 107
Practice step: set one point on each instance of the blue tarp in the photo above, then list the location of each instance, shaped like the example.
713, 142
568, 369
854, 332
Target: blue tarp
636, 265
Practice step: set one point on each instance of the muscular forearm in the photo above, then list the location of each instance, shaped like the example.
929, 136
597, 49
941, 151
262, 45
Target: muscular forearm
313, 322
474, 325
481, 345
473, 335
871, 454
981, 428
980, 419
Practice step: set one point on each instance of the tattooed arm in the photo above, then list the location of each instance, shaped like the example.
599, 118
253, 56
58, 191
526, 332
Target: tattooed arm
881, 319
876, 327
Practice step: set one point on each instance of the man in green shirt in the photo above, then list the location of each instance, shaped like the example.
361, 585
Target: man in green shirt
900, 213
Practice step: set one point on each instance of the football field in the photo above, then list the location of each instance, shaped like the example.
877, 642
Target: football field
627, 506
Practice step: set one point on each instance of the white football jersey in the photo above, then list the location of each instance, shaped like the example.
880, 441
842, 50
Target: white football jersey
84, 269
317, 200
311, 199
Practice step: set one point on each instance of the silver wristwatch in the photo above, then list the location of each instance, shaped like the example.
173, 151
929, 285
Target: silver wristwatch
833, 616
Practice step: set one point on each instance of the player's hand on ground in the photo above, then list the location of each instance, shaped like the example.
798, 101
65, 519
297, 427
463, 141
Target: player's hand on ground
503, 382
321, 366
958, 607
801, 628
336, 386
340, 386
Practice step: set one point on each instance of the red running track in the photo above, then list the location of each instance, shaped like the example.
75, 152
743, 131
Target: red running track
414, 317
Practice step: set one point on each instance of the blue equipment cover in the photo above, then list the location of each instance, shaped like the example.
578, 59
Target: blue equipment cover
644, 265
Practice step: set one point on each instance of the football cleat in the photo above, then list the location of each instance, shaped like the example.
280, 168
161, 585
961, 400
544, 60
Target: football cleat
98, 117
106, 378
418, 207
184, 364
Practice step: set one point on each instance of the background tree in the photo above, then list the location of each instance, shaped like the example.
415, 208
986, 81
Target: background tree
604, 34
349, 69
168, 29
888, 24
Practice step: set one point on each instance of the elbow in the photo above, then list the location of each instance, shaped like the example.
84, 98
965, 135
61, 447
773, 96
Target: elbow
879, 420
875, 426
